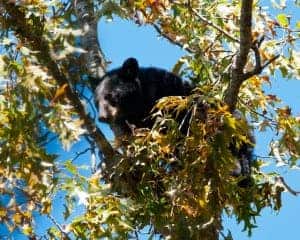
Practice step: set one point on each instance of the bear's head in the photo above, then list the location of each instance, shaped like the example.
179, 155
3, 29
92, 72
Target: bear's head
119, 94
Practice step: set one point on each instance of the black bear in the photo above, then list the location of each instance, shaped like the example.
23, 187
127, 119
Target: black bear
126, 95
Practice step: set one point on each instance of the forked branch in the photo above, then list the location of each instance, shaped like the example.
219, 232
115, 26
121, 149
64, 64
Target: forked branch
238, 76
258, 66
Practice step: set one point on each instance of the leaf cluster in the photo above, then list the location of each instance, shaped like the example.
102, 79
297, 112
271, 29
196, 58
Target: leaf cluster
176, 176
184, 179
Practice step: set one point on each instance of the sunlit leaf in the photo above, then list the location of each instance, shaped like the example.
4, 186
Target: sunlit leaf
283, 20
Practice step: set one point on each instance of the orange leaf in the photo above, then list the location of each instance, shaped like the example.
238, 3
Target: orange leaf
61, 91
189, 210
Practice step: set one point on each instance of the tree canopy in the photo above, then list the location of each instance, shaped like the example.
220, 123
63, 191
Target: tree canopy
50, 61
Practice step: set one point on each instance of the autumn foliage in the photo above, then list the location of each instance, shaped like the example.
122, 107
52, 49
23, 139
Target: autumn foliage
173, 184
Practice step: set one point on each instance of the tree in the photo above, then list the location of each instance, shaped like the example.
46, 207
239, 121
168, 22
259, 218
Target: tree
49, 56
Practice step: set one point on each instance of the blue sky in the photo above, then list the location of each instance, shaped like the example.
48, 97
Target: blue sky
122, 39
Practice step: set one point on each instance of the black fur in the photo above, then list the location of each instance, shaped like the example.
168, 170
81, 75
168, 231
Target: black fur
126, 95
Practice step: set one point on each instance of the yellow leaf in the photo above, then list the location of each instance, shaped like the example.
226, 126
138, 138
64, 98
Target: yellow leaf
61, 91
46, 206
17, 218
231, 122
33, 180
151, 1
165, 149
27, 229
3, 212
202, 203
189, 210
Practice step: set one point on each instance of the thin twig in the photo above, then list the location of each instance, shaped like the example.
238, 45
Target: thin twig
48, 141
91, 105
173, 41
78, 154
53, 220
282, 182
259, 68
270, 61
60, 228
257, 113
210, 23
263, 157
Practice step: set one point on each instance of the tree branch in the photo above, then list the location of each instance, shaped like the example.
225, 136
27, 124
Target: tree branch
258, 67
166, 36
237, 72
240, 77
281, 182
31, 35
210, 23
93, 59
245, 34
60, 228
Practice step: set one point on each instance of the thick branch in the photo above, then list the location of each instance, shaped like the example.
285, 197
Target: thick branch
245, 34
95, 64
32, 36
237, 73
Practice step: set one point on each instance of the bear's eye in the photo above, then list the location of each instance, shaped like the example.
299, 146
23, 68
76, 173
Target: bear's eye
112, 101
108, 97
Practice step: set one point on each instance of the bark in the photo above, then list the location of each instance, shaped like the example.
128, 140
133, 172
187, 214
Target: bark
93, 59
237, 72
33, 36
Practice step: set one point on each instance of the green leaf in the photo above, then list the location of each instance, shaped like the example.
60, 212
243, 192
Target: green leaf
283, 20
283, 71
230, 122
71, 167
177, 67
67, 211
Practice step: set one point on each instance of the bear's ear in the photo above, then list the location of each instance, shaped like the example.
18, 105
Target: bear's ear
130, 69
